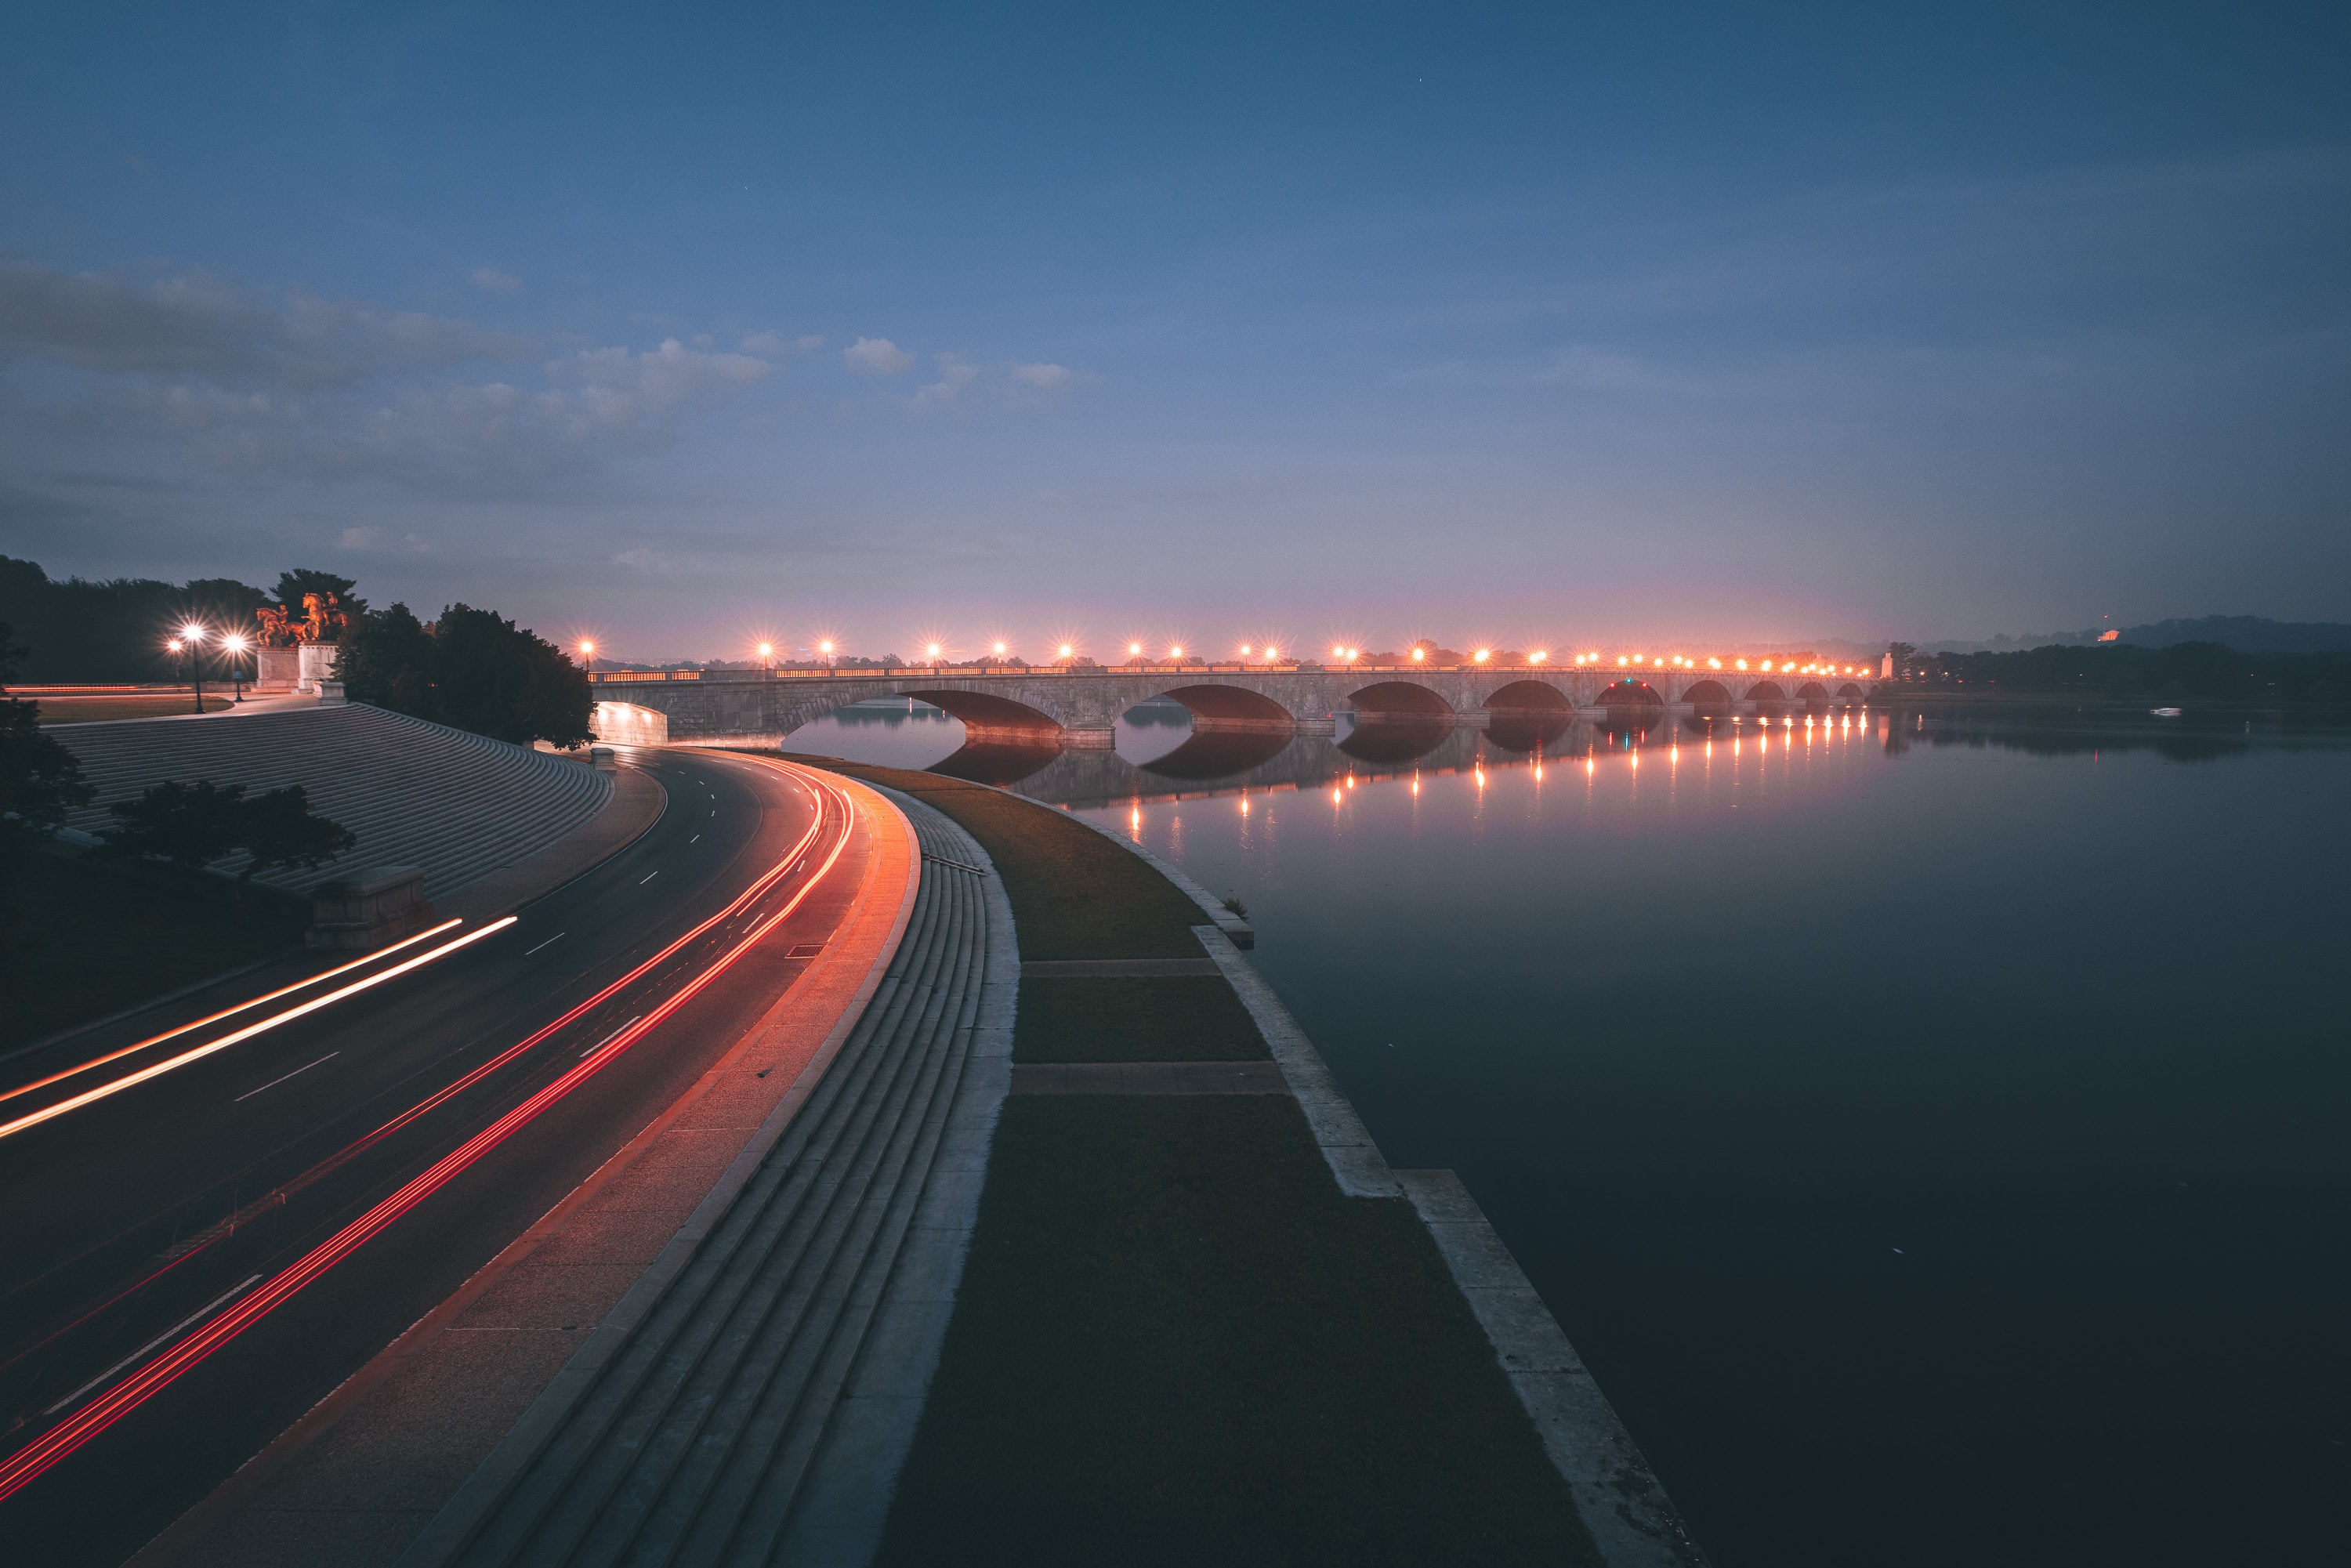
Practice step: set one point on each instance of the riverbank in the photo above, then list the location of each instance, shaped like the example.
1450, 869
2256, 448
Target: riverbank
1176, 1339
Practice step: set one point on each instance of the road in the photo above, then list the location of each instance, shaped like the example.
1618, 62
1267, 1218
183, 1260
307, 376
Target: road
333, 1179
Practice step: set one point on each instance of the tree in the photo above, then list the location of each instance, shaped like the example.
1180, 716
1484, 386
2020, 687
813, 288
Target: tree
495, 678
471, 669
386, 660
40, 781
277, 829
293, 583
192, 825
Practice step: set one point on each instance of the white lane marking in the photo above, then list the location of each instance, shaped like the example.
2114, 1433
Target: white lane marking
695, 840
276, 1081
550, 942
609, 1038
647, 877
222, 1298
714, 810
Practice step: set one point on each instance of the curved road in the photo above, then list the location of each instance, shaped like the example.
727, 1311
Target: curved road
193, 1262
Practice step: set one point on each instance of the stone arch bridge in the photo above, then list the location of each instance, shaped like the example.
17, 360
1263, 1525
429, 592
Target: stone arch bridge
1080, 707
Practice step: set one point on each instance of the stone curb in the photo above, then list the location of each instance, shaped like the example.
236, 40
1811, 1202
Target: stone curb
1633, 1521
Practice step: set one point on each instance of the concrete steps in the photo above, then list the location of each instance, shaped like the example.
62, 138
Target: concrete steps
694, 1437
416, 793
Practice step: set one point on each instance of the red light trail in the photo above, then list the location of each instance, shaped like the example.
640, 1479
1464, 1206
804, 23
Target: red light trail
21, 1469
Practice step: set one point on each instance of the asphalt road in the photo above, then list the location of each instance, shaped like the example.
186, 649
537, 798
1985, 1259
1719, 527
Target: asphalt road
129, 1225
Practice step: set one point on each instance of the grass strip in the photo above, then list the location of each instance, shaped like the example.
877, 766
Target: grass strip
1188, 1018
1177, 1343
1074, 893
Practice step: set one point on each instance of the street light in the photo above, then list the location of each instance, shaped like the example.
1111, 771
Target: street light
233, 645
192, 637
768, 658
824, 652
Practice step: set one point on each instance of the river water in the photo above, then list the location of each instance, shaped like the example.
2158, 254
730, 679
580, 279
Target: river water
1930, 1126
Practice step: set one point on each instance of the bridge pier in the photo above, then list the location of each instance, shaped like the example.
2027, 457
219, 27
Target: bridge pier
1087, 739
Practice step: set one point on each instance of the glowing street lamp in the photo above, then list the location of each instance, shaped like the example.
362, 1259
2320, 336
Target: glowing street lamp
1483, 654
234, 645
824, 652
768, 658
1175, 653
192, 637
1537, 658
933, 649
1419, 655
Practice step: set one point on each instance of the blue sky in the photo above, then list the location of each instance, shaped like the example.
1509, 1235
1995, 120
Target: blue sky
1540, 325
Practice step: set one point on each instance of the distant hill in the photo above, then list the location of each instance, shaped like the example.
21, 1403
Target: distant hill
2246, 634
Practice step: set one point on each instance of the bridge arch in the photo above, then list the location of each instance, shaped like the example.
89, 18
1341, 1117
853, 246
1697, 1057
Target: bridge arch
1629, 693
1400, 701
1528, 698
987, 716
1231, 708
1766, 692
1813, 692
1850, 689
1708, 694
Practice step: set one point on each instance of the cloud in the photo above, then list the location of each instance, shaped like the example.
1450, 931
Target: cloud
954, 376
201, 326
772, 345
877, 357
496, 282
1044, 378
618, 390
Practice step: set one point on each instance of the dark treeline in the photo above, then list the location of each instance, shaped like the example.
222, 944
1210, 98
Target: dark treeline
470, 668
2205, 671
80, 631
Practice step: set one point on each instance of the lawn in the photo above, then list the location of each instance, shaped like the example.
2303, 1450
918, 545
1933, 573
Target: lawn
1191, 1017
130, 705
1175, 1341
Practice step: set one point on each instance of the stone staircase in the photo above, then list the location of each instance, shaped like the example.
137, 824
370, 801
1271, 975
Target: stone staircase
688, 1429
460, 805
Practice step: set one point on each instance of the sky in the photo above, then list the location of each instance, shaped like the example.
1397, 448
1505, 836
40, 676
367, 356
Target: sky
688, 326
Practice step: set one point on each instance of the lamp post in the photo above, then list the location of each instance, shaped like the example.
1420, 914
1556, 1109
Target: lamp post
768, 658
192, 636
824, 652
234, 645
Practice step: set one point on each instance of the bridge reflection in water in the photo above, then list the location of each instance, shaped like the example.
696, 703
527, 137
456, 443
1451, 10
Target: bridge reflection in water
1224, 762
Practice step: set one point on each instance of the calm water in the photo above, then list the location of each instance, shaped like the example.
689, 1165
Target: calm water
1931, 1129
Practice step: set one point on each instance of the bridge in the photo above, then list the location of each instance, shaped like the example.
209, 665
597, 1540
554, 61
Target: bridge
1078, 707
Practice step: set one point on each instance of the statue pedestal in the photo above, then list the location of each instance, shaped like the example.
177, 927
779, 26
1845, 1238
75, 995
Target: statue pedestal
317, 662
277, 669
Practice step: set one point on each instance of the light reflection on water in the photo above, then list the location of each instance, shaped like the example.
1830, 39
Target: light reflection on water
1935, 1130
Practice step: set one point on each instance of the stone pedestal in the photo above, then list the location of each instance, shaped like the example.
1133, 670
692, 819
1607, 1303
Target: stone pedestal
277, 669
364, 911
317, 664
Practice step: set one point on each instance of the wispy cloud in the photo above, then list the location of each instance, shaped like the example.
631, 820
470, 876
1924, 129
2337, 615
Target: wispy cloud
1044, 378
491, 280
198, 325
